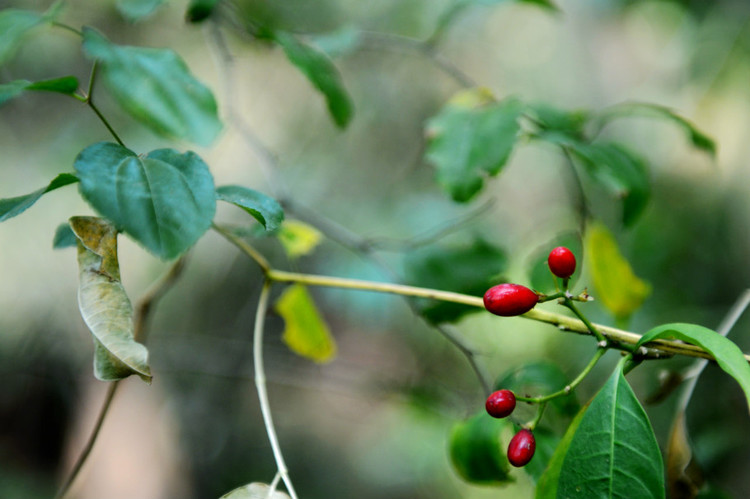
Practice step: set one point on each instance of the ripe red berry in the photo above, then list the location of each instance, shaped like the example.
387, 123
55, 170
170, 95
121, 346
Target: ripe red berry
500, 403
562, 262
509, 299
521, 448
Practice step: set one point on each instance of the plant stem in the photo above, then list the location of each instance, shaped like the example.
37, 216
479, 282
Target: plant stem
90, 442
260, 384
244, 246
67, 28
539, 414
568, 388
569, 304
88, 100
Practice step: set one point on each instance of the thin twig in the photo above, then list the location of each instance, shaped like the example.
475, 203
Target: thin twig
260, 385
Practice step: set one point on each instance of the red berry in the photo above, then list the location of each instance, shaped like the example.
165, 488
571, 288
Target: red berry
500, 404
509, 299
521, 448
562, 262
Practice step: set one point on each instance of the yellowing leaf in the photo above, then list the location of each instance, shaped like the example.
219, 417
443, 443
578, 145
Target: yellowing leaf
298, 238
305, 333
104, 305
618, 288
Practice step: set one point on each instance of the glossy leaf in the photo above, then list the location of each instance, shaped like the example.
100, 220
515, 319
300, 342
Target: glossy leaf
164, 200
470, 138
298, 238
14, 25
305, 331
64, 237
322, 73
65, 85
728, 355
135, 10
620, 172
470, 269
611, 451
11, 207
617, 287
540, 276
104, 305
477, 452
255, 490
540, 378
264, 209
156, 87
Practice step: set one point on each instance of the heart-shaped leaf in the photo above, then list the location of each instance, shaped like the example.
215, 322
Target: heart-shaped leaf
164, 200
11, 207
264, 209
104, 305
156, 87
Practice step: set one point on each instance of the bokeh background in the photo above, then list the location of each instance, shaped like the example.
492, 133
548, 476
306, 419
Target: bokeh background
375, 421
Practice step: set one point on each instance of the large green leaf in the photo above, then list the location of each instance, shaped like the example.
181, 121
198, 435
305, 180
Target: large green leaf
617, 287
264, 209
65, 85
305, 331
164, 200
540, 378
728, 355
255, 490
104, 305
610, 452
470, 138
135, 10
321, 72
10, 207
156, 87
470, 269
476, 450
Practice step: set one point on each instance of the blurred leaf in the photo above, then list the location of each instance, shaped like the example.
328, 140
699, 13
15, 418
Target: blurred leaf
470, 269
200, 10
728, 355
65, 85
542, 3
156, 87
612, 451
164, 200
540, 378
14, 25
104, 305
321, 72
342, 41
10, 207
551, 119
305, 331
683, 477
540, 276
255, 490
546, 443
617, 287
298, 238
135, 10
699, 139
620, 172
64, 237
476, 451
470, 138
264, 209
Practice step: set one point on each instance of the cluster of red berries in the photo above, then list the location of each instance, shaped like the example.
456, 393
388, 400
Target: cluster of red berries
521, 449
508, 300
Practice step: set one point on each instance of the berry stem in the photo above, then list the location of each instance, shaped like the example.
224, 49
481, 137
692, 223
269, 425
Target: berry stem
539, 413
599, 336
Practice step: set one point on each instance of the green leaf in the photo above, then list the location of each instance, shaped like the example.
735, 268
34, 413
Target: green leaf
305, 331
12, 90
699, 139
135, 10
64, 237
551, 119
540, 378
156, 87
164, 200
620, 172
540, 276
10, 207
476, 450
342, 41
255, 490
728, 355
548, 4
470, 269
14, 25
104, 305
64, 85
200, 10
264, 209
322, 73
298, 238
470, 138
617, 287
611, 451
